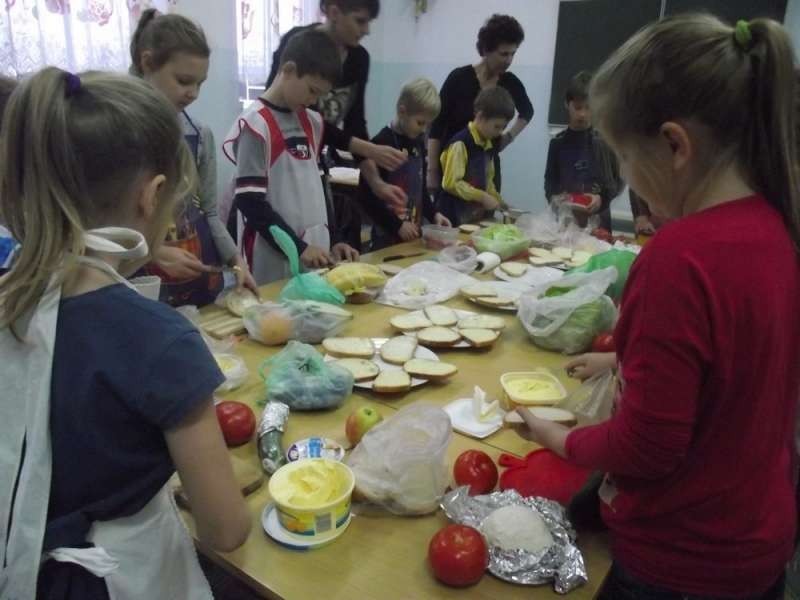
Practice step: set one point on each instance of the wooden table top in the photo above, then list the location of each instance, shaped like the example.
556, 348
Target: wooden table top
385, 557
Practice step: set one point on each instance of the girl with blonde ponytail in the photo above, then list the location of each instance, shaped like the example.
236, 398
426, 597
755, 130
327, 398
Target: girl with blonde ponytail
105, 392
699, 454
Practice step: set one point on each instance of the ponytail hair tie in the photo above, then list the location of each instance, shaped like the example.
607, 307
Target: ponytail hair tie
72, 84
743, 35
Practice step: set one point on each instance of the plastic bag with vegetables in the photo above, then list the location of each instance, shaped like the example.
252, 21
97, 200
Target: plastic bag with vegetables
300, 378
400, 464
566, 315
621, 260
302, 286
504, 240
306, 321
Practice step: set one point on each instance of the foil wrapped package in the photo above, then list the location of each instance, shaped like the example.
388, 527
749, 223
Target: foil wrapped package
562, 563
270, 434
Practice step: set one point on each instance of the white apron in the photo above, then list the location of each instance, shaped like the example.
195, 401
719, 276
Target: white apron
146, 555
295, 189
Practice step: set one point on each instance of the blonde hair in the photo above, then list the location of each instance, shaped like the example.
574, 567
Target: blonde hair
164, 36
420, 97
738, 83
72, 151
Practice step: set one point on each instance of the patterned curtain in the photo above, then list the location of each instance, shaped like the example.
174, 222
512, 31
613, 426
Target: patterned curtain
72, 34
261, 23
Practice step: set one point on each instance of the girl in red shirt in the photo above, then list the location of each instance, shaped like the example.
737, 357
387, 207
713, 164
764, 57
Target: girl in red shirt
699, 494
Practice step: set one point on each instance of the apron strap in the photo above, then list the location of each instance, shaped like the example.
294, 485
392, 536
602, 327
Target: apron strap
277, 144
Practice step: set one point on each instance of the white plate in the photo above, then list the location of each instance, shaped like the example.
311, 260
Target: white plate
533, 277
420, 352
274, 529
459, 313
460, 412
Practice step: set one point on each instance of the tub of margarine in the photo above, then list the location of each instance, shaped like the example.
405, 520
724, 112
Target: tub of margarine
312, 497
532, 388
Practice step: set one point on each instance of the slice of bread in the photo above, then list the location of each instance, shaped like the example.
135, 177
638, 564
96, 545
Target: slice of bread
239, 301
495, 301
538, 261
478, 289
533, 251
362, 369
482, 322
441, 315
562, 252
424, 368
480, 338
349, 347
399, 350
548, 413
390, 269
410, 322
392, 382
469, 228
438, 337
514, 269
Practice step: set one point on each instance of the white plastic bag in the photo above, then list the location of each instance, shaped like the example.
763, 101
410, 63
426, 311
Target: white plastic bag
401, 464
423, 284
570, 321
593, 401
460, 258
306, 321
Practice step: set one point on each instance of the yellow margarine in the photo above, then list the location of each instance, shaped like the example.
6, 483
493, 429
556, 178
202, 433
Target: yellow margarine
313, 484
532, 389
226, 364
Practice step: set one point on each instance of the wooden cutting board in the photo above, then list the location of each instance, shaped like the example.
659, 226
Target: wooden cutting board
220, 324
248, 475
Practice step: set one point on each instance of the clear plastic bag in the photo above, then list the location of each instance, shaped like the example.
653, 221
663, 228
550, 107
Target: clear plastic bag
566, 315
423, 284
621, 260
460, 258
303, 286
300, 378
306, 321
593, 401
401, 464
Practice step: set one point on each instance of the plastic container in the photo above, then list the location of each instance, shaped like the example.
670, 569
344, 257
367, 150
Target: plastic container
436, 237
513, 398
314, 523
503, 249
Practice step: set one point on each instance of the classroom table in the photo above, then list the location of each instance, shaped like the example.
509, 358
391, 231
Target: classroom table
385, 557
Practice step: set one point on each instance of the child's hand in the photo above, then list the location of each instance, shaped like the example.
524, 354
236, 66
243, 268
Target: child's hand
244, 279
180, 264
489, 202
393, 196
545, 433
408, 231
587, 365
387, 157
342, 251
644, 225
314, 257
441, 220
595, 204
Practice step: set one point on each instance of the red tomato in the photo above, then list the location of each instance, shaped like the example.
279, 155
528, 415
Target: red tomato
477, 470
237, 422
458, 555
603, 343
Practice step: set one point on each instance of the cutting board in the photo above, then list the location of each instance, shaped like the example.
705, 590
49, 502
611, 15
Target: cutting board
220, 324
248, 475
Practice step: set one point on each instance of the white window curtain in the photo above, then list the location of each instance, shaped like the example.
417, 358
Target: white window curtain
260, 24
71, 34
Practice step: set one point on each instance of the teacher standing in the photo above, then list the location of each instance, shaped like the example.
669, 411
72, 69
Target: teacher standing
498, 41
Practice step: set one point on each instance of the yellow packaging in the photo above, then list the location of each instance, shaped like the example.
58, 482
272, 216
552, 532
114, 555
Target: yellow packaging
351, 278
312, 497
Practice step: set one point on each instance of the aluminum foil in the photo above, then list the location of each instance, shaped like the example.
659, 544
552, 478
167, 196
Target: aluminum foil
270, 434
561, 563
273, 418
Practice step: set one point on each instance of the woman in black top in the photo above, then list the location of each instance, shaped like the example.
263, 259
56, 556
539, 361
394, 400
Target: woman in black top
498, 41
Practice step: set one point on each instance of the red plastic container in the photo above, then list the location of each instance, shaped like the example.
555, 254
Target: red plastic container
542, 473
